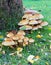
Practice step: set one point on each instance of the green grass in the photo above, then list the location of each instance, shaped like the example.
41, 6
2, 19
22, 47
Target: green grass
35, 48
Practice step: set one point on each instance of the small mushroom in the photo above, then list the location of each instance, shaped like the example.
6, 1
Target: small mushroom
39, 26
26, 39
23, 22
44, 24
20, 36
15, 37
20, 41
31, 40
33, 22
10, 34
25, 43
8, 39
26, 16
27, 27
39, 21
36, 16
35, 28
8, 43
21, 32
30, 11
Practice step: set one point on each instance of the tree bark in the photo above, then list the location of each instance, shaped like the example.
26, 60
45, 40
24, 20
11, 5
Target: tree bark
10, 11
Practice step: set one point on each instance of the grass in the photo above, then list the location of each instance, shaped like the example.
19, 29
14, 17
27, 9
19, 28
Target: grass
35, 48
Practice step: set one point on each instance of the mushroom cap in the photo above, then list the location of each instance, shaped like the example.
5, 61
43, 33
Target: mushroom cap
30, 11
8, 39
20, 36
27, 27
15, 37
10, 34
39, 21
31, 40
39, 26
35, 28
8, 43
20, 40
32, 22
26, 39
23, 22
25, 43
36, 16
26, 16
21, 32
44, 24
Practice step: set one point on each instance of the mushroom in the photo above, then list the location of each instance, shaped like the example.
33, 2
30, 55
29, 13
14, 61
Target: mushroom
32, 22
8, 43
26, 16
30, 11
7, 39
26, 39
36, 16
23, 22
20, 36
39, 21
25, 43
39, 26
31, 40
15, 38
44, 24
27, 27
20, 41
10, 34
35, 28
21, 32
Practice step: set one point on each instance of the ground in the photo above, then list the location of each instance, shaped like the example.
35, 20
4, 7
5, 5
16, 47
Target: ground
41, 47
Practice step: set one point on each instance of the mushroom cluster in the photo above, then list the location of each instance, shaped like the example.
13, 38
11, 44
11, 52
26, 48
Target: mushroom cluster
17, 39
31, 20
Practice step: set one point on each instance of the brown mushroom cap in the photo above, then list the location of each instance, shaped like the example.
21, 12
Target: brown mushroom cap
20, 40
39, 21
26, 39
15, 37
26, 16
31, 40
25, 43
8, 39
32, 22
28, 11
44, 24
21, 32
39, 26
8, 43
36, 16
23, 22
10, 34
20, 36
35, 28
27, 27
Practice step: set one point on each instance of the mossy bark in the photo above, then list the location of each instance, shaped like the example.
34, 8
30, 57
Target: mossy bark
11, 12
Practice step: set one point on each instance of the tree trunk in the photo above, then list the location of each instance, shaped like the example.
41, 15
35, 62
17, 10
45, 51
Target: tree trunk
11, 12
